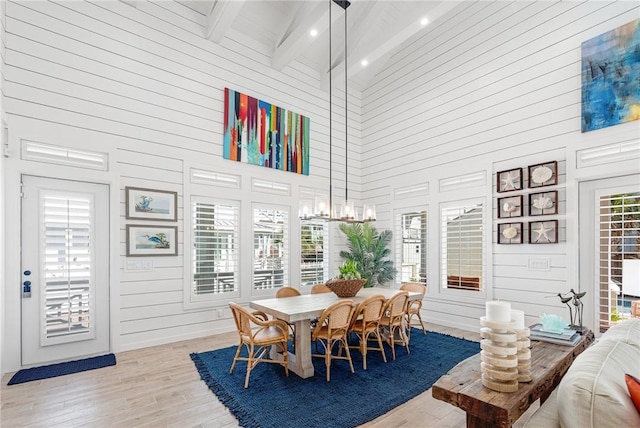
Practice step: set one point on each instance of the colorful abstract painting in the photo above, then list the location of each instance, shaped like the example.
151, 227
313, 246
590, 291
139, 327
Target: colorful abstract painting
610, 78
263, 134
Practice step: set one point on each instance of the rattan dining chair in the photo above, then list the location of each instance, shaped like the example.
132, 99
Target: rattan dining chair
258, 335
284, 292
320, 288
332, 328
414, 306
392, 321
365, 325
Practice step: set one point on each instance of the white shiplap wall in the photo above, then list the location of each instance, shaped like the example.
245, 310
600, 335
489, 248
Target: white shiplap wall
143, 85
491, 86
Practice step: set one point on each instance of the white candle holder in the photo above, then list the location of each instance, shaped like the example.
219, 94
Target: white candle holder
499, 365
524, 355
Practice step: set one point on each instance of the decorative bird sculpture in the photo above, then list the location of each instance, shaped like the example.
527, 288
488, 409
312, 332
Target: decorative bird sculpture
566, 301
579, 307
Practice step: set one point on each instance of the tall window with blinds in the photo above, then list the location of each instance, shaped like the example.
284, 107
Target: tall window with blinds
270, 248
619, 273
462, 247
313, 241
215, 248
411, 247
68, 265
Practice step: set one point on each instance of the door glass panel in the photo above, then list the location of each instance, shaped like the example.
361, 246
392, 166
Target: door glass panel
68, 265
619, 273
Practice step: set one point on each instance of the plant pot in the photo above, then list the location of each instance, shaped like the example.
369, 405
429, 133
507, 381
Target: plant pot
346, 287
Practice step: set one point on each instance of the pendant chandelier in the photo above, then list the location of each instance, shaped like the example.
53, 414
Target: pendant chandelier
323, 209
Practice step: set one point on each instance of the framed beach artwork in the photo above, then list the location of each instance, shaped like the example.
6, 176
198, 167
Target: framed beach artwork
149, 240
150, 204
610, 76
263, 134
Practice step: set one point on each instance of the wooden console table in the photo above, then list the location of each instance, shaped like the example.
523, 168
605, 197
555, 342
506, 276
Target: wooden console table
486, 408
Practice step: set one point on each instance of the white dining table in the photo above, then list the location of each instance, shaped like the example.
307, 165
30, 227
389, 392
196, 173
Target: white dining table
301, 309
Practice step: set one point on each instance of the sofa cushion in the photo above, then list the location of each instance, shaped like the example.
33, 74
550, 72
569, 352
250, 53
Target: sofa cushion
593, 393
627, 331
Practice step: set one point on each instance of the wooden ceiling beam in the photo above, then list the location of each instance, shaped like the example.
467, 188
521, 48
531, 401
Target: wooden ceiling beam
221, 17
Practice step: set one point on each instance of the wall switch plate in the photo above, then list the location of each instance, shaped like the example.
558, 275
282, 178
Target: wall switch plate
138, 265
539, 263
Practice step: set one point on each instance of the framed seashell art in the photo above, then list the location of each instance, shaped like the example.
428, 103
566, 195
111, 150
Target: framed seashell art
509, 180
543, 174
510, 233
543, 232
510, 206
544, 203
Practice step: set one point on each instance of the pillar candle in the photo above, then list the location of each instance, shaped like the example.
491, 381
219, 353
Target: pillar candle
518, 317
498, 311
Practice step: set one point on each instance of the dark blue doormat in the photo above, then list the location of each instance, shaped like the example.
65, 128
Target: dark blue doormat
53, 370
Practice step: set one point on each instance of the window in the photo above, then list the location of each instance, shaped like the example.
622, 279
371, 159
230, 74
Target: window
462, 249
619, 272
215, 248
270, 248
313, 240
411, 247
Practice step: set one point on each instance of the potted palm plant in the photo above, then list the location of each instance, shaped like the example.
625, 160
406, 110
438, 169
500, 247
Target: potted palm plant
370, 251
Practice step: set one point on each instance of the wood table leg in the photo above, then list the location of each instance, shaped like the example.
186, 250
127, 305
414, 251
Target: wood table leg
476, 422
300, 362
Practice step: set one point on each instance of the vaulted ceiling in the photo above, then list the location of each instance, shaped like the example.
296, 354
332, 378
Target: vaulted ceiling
375, 28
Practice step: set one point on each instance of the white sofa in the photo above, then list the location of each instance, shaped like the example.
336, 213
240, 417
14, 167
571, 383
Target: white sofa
593, 393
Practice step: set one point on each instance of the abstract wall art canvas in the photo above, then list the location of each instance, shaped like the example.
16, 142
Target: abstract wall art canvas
260, 133
610, 76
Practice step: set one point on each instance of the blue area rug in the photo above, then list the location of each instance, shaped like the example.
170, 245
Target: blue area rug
349, 400
60, 369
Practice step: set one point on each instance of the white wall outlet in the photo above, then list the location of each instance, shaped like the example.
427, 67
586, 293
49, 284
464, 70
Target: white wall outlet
220, 313
539, 263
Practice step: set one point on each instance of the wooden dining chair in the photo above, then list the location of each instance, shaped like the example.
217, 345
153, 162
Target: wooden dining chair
258, 335
414, 306
320, 288
392, 321
365, 325
332, 328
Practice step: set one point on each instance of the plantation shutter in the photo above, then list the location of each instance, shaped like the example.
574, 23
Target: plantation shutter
68, 264
411, 246
215, 248
619, 235
271, 248
313, 241
462, 247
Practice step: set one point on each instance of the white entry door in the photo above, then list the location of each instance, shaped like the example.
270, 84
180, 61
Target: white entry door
609, 219
65, 270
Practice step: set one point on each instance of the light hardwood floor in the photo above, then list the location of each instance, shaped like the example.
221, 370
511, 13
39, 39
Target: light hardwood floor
160, 387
